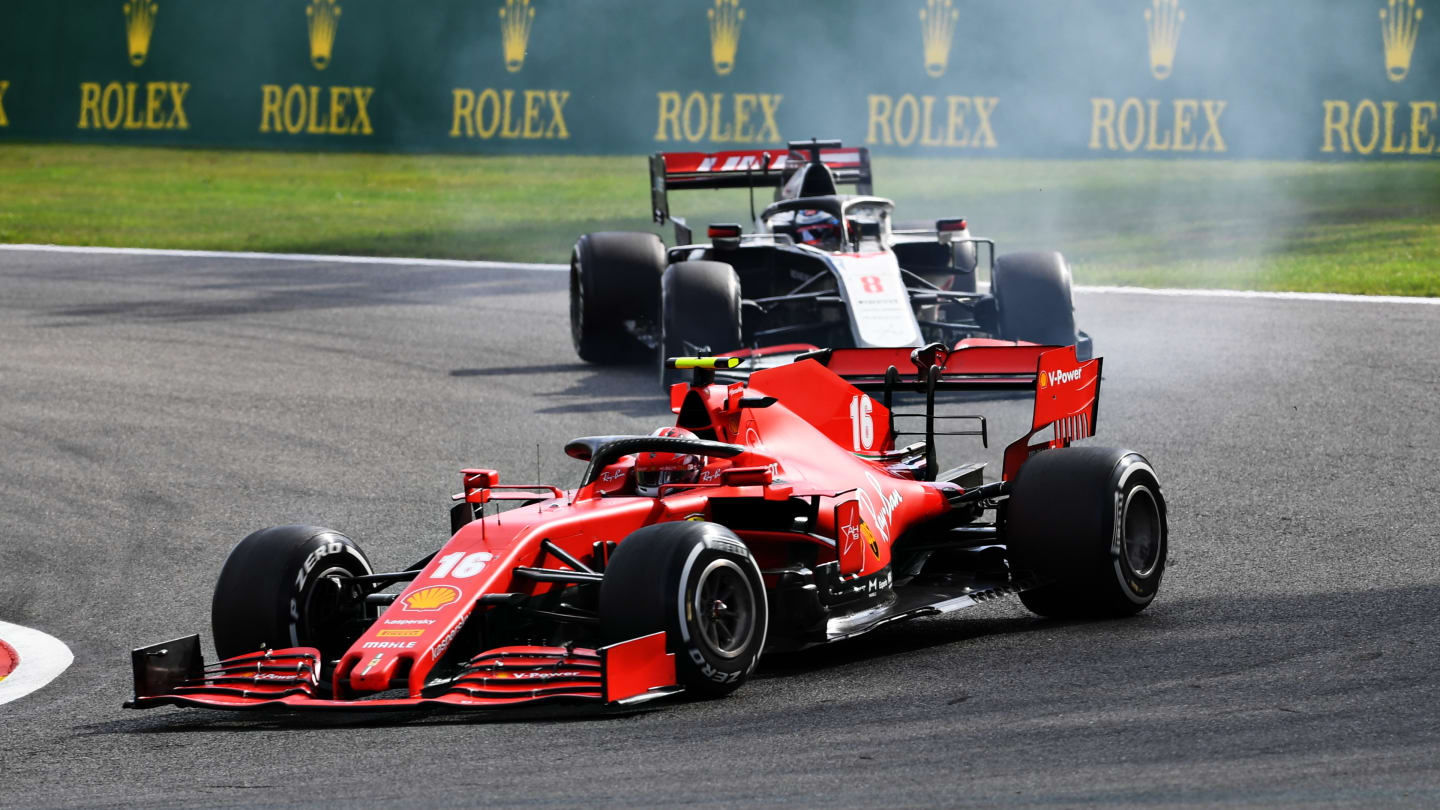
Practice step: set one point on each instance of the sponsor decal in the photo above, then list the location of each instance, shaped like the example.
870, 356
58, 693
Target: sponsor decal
543, 675
371, 665
881, 505
408, 621
139, 25
937, 28
869, 538
324, 20
1399, 28
274, 676
430, 599
717, 117
516, 19
1162, 30
695, 517
133, 105
388, 645
725, 21
410, 633
439, 649
1058, 377
4, 85
960, 122
612, 475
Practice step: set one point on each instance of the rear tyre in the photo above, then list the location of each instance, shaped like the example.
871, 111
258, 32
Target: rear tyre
614, 277
1032, 292
699, 583
700, 312
1090, 523
289, 586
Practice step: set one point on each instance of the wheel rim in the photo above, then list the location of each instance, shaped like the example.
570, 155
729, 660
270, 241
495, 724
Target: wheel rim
328, 609
1141, 535
724, 608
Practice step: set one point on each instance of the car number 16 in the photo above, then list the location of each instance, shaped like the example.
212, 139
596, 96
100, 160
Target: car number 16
862, 426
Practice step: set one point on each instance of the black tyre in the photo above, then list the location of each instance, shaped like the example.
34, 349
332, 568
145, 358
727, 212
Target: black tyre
1032, 291
700, 312
966, 263
614, 277
699, 583
288, 586
1090, 523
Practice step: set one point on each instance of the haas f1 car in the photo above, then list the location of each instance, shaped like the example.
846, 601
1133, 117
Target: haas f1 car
820, 269
776, 514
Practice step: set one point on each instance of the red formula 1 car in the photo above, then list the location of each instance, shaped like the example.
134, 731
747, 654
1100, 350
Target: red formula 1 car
778, 513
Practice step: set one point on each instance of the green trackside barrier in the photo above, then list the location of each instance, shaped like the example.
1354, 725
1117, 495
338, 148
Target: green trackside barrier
1299, 79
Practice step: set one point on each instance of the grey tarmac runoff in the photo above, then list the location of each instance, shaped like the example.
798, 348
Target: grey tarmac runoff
154, 409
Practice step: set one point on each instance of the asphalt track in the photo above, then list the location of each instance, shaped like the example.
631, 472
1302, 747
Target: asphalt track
153, 410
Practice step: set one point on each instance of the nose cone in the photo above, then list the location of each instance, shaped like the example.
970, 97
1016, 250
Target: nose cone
375, 672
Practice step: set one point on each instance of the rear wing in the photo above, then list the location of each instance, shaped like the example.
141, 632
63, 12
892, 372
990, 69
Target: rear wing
757, 168
1067, 391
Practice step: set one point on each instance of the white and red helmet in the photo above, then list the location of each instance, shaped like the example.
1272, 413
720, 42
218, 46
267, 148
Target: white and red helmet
654, 469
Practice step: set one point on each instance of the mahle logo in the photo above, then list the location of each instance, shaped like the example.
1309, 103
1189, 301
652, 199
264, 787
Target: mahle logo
139, 25
1399, 26
725, 20
516, 18
937, 28
324, 19
1162, 28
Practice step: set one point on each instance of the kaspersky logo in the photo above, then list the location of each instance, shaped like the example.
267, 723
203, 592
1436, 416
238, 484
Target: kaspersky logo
139, 25
1162, 28
725, 20
1399, 27
324, 17
1049, 378
516, 19
937, 29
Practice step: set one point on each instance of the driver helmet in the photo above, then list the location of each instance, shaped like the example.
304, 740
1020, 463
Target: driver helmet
816, 227
657, 468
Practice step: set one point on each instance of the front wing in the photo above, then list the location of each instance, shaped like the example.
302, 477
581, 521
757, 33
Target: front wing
174, 673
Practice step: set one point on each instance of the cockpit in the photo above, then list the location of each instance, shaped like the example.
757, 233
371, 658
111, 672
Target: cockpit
832, 223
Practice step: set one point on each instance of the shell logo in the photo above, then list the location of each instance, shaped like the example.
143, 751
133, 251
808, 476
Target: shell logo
1044, 379
431, 598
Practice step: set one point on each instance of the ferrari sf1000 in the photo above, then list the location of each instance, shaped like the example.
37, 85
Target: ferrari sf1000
775, 514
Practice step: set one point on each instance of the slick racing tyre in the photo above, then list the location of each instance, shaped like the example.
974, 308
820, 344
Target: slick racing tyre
1032, 292
289, 586
1089, 523
699, 583
700, 312
614, 277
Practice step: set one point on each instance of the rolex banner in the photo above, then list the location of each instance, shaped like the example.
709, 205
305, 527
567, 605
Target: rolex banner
1295, 79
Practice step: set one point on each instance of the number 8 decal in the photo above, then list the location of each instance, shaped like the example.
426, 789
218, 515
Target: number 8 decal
862, 426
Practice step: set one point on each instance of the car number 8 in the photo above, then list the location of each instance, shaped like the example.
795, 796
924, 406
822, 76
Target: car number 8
469, 564
862, 426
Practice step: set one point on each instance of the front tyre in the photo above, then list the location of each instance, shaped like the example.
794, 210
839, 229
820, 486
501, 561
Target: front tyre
700, 312
290, 586
699, 583
1090, 523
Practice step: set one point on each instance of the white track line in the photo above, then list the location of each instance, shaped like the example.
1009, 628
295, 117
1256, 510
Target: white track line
554, 268
289, 257
42, 658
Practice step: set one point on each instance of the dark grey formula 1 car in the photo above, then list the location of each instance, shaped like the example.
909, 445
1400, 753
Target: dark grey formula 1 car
820, 269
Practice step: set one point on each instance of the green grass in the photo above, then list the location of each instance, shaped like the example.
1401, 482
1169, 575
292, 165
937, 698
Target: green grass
1351, 227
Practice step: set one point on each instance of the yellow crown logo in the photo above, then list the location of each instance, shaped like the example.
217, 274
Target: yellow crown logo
1162, 22
937, 27
139, 25
515, 20
1399, 27
431, 598
324, 19
725, 20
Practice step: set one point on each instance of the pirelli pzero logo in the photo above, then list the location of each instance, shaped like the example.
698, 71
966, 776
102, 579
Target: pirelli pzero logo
725, 21
937, 29
1049, 378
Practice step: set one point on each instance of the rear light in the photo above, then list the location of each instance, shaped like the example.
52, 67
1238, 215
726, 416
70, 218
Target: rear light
723, 232
950, 225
